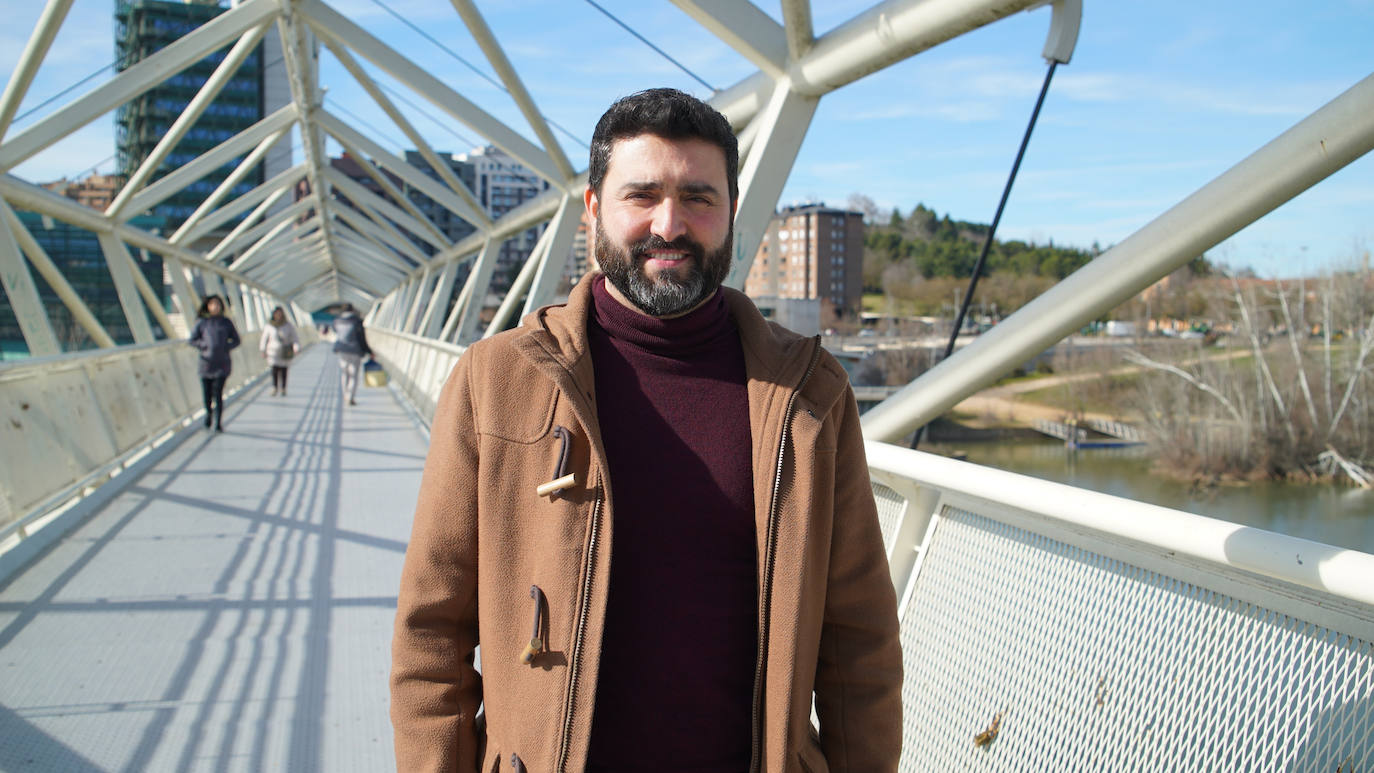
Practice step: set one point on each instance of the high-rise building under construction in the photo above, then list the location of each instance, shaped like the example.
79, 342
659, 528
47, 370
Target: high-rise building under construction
143, 27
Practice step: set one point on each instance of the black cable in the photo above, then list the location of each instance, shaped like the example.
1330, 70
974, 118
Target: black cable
469, 65
992, 230
445, 125
62, 93
398, 145
646, 42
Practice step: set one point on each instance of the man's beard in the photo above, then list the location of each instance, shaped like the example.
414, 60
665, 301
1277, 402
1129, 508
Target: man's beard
667, 294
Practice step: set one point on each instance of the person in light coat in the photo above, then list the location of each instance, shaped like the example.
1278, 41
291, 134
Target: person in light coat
279, 346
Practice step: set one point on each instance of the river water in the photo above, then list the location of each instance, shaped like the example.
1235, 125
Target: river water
1333, 514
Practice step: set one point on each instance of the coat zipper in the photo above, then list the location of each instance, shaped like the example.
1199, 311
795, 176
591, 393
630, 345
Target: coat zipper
585, 603
766, 595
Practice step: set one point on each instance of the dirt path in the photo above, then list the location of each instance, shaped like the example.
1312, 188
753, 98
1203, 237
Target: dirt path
1003, 405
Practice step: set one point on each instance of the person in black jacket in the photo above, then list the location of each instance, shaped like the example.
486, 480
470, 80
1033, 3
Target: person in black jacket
350, 343
215, 336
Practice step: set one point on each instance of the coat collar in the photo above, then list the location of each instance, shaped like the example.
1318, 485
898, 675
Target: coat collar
772, 353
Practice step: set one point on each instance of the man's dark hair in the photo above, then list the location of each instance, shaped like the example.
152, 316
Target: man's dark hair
666, 113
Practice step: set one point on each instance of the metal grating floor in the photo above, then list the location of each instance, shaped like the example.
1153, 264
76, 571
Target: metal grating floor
1095, 664
231, 610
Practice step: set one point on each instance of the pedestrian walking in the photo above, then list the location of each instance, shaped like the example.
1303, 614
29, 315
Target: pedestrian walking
350, 343
215, 336
279, 346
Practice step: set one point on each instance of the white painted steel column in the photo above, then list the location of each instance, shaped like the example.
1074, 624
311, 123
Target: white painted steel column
433, 321
304, 80
1318, 146
121, 266
468, 311
150, 296
185, 294
784, 123
559, 236
422, 291
522, 283
23, 296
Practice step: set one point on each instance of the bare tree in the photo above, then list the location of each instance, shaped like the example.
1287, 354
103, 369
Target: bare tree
1258, 406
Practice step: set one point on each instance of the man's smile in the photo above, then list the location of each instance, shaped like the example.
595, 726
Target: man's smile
663, 258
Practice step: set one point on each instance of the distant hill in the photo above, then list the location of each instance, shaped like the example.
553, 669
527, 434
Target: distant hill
935, 247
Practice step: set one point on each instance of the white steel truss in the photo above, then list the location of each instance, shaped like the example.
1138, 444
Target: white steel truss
312, 236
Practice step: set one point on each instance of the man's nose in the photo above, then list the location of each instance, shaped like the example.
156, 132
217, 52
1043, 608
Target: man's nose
668, 223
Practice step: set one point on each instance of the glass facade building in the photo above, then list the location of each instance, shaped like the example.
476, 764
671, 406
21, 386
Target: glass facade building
78, 254
143, 27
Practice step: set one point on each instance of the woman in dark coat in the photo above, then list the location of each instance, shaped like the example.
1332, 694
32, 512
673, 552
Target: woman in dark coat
214, 335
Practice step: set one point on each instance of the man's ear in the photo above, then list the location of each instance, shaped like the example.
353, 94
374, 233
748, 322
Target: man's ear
592, 203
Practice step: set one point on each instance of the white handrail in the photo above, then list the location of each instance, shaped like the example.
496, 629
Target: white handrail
1338, 571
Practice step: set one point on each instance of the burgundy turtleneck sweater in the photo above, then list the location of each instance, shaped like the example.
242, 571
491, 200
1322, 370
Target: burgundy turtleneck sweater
675, 687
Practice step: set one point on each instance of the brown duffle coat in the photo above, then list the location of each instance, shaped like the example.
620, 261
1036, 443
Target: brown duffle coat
483, 538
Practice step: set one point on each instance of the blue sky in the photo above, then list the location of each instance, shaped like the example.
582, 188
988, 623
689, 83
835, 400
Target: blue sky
1161, 97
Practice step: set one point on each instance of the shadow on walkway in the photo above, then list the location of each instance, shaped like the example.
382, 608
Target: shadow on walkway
231, 611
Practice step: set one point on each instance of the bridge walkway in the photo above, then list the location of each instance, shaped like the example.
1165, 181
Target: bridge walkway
231, 609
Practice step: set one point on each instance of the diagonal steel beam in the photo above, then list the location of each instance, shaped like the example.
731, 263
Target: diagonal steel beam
473, 214
189, 115
35, 199
281, 184
23, 296
328, 23
304, 81
477, 27
380, 232
800, 34
247, 232
264, 132
38, 257
1309, 152
349, 137
783, 125
34, 52
559, 232
121, 267
148, 73
743, 27
365, 198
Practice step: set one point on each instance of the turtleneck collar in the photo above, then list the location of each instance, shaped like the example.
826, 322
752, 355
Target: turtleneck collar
699, 330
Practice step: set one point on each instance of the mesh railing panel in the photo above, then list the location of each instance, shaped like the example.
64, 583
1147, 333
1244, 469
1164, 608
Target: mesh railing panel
891, 505
1096, 664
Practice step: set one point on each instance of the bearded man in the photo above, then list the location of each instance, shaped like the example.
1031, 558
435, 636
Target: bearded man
651, 507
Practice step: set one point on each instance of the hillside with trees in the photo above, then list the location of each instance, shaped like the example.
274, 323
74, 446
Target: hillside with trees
916, 261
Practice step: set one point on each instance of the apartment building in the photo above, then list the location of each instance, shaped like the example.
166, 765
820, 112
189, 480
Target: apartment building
811, 252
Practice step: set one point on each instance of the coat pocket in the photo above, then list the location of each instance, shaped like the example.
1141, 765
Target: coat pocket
521, 415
